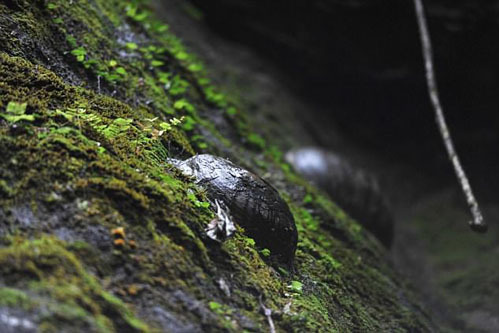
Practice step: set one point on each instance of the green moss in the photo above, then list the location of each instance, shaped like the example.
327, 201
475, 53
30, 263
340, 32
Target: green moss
45, 267
97, 150
225, 313
14, 298
256, 140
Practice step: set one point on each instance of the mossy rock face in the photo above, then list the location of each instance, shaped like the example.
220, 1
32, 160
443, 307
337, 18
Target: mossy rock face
49, 290
99, 233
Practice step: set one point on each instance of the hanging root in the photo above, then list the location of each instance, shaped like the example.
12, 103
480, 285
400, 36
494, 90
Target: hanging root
477, 224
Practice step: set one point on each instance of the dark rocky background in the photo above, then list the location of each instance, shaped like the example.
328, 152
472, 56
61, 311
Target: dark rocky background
360, 62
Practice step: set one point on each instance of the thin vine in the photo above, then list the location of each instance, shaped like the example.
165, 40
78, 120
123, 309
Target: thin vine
477, 223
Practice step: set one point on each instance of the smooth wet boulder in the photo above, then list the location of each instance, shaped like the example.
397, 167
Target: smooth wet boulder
355, 190
253, 202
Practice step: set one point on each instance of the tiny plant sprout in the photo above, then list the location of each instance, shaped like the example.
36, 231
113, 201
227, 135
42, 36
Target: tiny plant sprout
132, 46
214, 306
295, 286
79, 53
265, 253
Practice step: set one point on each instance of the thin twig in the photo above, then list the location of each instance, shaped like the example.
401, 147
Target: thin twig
268, 313
477, 224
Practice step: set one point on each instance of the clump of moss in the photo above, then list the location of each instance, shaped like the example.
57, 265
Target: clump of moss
43, 268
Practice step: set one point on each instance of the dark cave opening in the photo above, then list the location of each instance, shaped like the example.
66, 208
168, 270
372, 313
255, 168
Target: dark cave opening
361, 60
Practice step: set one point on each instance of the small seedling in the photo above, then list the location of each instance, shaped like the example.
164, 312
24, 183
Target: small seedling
256, 140
132, 46
79, 53
188, 124
157, 63
265, 253
182, 104
296, 287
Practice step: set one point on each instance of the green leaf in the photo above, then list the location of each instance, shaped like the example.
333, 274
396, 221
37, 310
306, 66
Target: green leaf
157, 63
165, 126
89, 63
113, 63
140, 17
295, 286
179, 86
15, 108
164, 77
195, 67
283, 271
196, 202
204, 81
15, 112
131, 10
204, 204
121, 71
117, 128
160, 27
232, 111
71, 40
132, 46
256, 140
265, 252
176, 121
202, 145
181, 55
123, 123
250, 242
182, 104
214, 306
15, 119
79, 51
113, 77
188, 124
308, 198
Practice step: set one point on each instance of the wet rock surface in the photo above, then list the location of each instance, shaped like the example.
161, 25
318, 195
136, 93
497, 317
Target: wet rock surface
353, 189
254, 203
171, 323
16, 321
